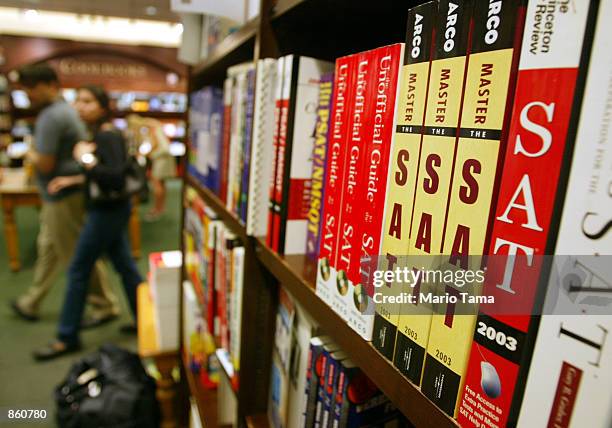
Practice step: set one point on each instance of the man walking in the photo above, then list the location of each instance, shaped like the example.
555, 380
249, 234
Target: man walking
58, 128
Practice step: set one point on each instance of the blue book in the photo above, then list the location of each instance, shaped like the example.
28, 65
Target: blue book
248, 137
216, 140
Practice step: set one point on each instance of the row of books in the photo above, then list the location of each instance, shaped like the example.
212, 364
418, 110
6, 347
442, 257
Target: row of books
214, 265
314, 384
461, 143
260, 144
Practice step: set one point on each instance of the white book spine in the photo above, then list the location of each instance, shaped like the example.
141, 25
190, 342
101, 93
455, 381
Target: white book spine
230, 94
302, 143
570, 376
262, 157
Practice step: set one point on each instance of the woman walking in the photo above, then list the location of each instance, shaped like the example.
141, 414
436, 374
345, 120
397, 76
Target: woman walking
104, 163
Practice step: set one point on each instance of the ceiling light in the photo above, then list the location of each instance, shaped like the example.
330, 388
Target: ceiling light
31, 14
151, 10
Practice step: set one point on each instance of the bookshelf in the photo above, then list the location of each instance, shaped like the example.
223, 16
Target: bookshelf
206, 400
312, 28
297, 273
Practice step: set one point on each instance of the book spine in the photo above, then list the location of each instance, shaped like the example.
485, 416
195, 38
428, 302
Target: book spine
241, 141
192, 142
236, 318
344, 405
227, 132
313, 379
376, 162
301, 120
362, 107
210, 250
216, 139
319, 152
370, 408
204, 138
231, 244
263, 149
325, 362
444, 97
570, 371
235, 141
538, 143
403, 167
250, 105
334, 171
476, 174
194, 130
219, 282
281, 81
287, 107
334, 364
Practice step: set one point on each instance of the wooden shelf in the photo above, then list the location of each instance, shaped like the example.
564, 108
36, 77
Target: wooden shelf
218, 206
297, 273
206, 399
284, 6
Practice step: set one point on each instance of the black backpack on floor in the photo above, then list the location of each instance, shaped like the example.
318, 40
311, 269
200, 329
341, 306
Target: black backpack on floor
109, 388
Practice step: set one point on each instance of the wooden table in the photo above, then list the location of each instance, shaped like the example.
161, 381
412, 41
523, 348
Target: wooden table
15, 191
165, 361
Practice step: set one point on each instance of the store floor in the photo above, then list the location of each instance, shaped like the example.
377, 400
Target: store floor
25, 384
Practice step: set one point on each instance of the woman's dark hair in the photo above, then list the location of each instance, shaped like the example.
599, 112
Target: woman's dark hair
101, 97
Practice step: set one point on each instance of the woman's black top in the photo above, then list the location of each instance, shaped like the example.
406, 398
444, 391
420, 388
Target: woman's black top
108, 176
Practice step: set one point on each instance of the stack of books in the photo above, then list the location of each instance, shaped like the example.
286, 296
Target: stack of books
314, 384
214, 265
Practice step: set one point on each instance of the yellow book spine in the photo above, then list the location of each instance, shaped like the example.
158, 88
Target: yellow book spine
441, 120
467, 221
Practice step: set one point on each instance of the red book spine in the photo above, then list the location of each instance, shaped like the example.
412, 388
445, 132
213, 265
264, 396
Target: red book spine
537, 140
279, 181
347, 256
334, 171
227, 127
277, 120
388, 63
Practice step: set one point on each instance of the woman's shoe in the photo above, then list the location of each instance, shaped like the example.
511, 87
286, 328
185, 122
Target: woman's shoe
53, 350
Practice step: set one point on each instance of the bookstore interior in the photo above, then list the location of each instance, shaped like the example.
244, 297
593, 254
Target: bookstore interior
320, 213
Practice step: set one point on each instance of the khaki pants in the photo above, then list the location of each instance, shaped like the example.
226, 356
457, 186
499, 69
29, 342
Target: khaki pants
60, 225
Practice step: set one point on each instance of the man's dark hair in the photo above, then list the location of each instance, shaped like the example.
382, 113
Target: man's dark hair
32, 75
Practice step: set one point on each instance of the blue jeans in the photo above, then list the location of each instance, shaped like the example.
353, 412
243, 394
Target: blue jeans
104, 233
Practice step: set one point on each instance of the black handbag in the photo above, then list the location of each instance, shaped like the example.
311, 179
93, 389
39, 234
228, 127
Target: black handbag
135, 184
107, 389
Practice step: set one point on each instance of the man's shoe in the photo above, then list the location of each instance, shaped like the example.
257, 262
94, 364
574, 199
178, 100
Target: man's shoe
54, 350
21, 313
93, 322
